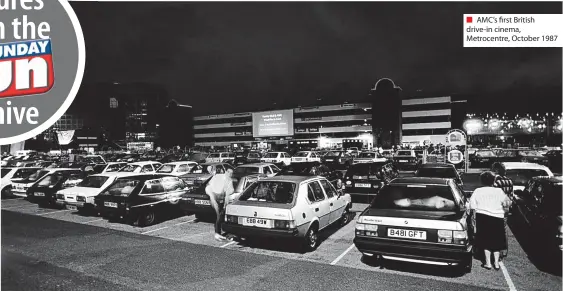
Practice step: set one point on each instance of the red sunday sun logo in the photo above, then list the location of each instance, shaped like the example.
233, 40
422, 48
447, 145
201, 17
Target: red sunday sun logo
26, 68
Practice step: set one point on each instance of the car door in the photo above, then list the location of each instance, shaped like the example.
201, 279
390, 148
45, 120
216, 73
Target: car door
320, 206
335, 204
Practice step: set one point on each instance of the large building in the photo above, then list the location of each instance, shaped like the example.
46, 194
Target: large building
320, 126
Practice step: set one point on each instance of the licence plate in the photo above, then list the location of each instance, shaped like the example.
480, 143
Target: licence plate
202, 202
361, 185
406, 233
110, 204
41, 194
249, 221
485, 160
71, 207
190, 182
403, 161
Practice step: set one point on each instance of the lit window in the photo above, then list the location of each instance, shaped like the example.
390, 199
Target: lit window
113, 103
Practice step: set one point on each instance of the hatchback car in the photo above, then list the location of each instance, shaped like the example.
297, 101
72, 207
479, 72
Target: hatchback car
224, 157
43, 192
406, 160
288, 207
109, 167
278, 158
312, 169
176, 168
419, 220
246, 158
366, 179
139, 199
266, 169
341, 158
369, 157
19, 188
482, 158
10, 175
141, 167
305, 156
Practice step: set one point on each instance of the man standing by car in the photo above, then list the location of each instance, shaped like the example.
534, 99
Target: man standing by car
504, 183
219, 188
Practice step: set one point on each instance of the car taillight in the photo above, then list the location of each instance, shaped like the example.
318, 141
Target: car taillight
80, 198
231, 219
455, 236
284, 224
366, 229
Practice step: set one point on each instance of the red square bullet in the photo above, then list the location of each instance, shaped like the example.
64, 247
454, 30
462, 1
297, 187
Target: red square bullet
469, 19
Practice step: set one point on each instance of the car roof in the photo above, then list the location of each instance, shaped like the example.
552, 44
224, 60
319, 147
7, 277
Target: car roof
212, 164
255, 165
436, 165
180, 163
294, 179
420, 181
147, 176
117, 174
115, 163
144, 163
520, 165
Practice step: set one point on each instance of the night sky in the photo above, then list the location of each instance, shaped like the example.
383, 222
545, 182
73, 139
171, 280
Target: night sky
232, 57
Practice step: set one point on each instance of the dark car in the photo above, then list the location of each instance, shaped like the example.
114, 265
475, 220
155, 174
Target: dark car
540, 206
406, 160
44, 191
439, 170
314, 169
338, 158
242, 158
422, 220
141, 198
482, 158
554, 160
366, 179
200, 173
197, 201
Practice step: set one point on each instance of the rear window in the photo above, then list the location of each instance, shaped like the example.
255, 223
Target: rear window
37, 175
367, 155
520, 177
271, 155
122, 187
415, 197
484, 154
404, 153
131, 169
270, 191
93, 182
437, 173
166, 169
333, 154
199, 170
243, 171
301, 154
5, 172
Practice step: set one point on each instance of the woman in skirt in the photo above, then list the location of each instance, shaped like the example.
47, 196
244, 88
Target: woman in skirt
489, 205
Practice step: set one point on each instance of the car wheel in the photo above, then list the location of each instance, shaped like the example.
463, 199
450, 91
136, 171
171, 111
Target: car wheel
5, 192
311, 239
345, 217
148, 217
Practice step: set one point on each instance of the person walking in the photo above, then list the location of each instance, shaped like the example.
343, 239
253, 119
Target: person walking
504, 183
219, 188
489, 205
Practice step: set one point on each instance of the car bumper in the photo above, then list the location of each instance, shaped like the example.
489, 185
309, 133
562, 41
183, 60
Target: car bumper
434, 253
249, 231
18, 194
193, 208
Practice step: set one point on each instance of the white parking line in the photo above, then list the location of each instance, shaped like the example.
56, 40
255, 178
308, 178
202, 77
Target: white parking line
342, 255
228, 244
53, 212
507, 277
185, 222
154, 230
93, 221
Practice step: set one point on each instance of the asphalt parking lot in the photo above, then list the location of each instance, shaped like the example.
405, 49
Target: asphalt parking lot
53, 249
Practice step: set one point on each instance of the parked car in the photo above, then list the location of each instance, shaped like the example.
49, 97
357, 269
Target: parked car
195, 157
521, 173
246, 158
81, 197
19, 188
141, 167
10, 175
365, 178
406, 160
91, 159
197, 201
265, 169
539, 204
340, 158
369, 157
289, 207
312, 169
439, 170
171, 158
129, 158
278, 158
43, 192
482, 158
554, 160
109, 167
305, 156
224, 157
200, 173
140, 198
421, 220
176, 168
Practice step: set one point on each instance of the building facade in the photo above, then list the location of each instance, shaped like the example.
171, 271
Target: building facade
323, 126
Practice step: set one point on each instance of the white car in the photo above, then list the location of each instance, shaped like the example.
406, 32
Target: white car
220, 157
176, 168
521, 173
109, 167
291, 207
81, 197
369, 157
277, 158
19, 188
306, 156
10, 175
267, 169
141, 167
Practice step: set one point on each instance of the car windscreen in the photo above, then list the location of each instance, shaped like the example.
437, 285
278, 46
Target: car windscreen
37, 175
199, 169
520, 177
301, 154
270, 191
5, 172
484, 154
23, 173
404, 153
367, 156
131, 169
93, 182
271, 155
243, 171
415, 197
333, 154
166, 169
122, 187
437, 172
50, 180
